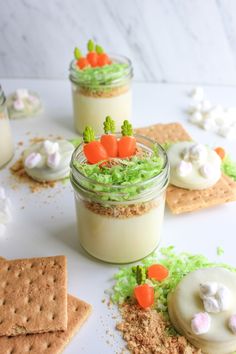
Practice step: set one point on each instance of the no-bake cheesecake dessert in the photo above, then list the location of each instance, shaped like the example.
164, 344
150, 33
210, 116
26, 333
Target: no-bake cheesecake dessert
101, 86
119, 182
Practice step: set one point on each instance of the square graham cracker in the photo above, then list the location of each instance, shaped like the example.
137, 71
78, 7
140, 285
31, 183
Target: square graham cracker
33, 295
49, 343
180, 200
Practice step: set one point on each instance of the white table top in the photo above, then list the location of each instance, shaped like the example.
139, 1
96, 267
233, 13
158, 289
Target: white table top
44, 222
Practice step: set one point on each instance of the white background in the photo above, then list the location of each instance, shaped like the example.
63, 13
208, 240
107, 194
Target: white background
167, 40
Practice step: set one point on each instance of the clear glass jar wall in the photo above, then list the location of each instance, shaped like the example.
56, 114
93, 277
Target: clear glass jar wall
100, 94
125, 230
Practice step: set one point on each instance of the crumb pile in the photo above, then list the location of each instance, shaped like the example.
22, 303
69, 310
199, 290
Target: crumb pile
147, 331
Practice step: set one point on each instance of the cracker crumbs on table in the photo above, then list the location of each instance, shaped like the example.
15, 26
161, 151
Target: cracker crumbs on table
17, 169
146, 331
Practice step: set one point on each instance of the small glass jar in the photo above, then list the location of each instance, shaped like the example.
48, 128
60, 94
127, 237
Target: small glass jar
101, 93
117, 224
6, 141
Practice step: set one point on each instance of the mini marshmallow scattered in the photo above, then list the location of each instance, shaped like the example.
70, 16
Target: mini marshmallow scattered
33, 160
5, 212
232, 323
48, 155
210, 117
18, 105
201, 323
50, 147
215, 297
198, 153
53, 159
22, 93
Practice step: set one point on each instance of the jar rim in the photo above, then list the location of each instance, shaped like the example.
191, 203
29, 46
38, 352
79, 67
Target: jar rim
100, 78
160, 179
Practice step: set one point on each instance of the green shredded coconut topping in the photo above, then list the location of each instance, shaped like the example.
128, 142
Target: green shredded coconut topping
178, 265
99, 78
229, 167
126, 173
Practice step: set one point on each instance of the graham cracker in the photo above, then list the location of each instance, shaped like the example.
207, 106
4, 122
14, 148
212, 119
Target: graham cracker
49, 343
165, 133
33, 295
181, 200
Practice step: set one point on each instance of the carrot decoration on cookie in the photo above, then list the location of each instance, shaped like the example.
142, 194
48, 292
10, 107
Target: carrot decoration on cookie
127, 143
92, 56
108, 140
93, 149
82, 62
157, 272
144, 294
221, 152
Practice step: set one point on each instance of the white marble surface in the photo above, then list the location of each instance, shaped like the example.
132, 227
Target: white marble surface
44, 223
168, 40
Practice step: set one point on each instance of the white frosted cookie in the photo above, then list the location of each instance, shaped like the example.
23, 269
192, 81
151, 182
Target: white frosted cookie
48, 160
23, 103
186, 301
193, 166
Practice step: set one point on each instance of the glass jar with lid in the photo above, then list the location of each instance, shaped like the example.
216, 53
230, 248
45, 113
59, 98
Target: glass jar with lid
101, 91
6, 141
120, 223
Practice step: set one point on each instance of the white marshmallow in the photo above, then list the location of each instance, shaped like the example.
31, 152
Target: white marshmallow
18, 105
206, 106
33, 100
50, 147
184, 168
198, 153
54, 159
197, 93
194, 107
196, 117
223, 297
232, 323
211, 304
22, 93
33, 160
208, 289
201, 323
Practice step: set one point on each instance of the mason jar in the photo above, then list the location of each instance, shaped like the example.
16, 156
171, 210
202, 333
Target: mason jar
101, 93
120, 223
6, 141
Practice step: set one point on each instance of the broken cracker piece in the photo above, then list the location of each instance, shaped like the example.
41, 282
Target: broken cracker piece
53, 342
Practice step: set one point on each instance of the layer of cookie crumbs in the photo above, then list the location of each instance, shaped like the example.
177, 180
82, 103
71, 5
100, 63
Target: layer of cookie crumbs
146, 331
103, 93
18, 171
121, 211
